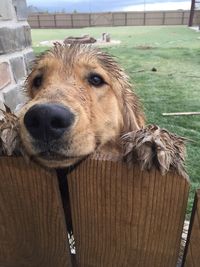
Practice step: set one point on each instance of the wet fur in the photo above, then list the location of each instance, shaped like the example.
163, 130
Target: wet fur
102, 115
109, 121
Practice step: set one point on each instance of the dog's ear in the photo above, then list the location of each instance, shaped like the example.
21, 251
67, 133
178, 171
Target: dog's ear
133, 116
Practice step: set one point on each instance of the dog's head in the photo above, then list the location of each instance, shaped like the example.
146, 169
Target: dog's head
80, 101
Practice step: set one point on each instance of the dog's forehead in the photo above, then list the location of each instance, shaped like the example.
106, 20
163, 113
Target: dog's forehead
68, 61
78, 59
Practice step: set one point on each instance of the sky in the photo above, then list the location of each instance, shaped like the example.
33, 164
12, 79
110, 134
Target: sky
109, 5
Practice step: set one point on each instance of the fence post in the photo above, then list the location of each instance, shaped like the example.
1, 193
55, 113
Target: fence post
126, 19
192, 251
55, 21
144, 18
90, 20
38, 17
113, 19
190, 23
163, 22
183, 16
72, 22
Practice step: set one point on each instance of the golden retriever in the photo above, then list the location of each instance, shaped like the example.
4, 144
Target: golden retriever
82, 104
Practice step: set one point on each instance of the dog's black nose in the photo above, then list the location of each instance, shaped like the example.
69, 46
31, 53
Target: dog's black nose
47, 122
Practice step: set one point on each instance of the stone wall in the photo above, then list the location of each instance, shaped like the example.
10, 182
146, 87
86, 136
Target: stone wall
16, 53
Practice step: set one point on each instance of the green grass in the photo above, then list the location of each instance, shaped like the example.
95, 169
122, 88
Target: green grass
175, 53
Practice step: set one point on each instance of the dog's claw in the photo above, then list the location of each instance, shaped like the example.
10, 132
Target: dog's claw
153, 146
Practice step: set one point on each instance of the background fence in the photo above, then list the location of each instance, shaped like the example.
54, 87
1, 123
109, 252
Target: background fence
78, 20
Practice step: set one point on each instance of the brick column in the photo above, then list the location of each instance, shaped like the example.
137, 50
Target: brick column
16, 53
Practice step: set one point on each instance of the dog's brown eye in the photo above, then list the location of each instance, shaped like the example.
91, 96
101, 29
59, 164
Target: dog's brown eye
96, 80
37, 81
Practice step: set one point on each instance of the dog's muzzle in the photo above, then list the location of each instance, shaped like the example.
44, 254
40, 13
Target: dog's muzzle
48, 122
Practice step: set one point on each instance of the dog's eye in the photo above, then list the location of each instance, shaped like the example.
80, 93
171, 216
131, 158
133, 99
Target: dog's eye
37, 81
96, 80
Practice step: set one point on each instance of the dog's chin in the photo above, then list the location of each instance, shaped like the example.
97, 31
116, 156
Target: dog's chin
55, 156
57, 163
55, 160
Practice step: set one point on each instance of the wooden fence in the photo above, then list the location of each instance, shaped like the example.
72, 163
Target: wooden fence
79, 20
121, 216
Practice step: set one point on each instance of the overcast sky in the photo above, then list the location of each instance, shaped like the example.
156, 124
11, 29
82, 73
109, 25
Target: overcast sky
109, 5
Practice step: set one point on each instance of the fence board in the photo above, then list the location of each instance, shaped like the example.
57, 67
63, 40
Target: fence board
193, 245
125, 217
32, 226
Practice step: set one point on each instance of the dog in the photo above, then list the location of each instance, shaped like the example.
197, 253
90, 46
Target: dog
82, 104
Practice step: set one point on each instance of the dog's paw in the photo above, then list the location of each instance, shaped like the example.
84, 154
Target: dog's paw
8, 133
153, 146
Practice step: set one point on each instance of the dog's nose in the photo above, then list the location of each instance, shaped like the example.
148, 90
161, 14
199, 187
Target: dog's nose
48, 122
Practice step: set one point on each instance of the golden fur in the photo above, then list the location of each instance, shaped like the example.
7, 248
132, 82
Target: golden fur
102, 115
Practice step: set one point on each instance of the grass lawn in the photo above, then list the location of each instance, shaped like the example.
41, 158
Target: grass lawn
175, 53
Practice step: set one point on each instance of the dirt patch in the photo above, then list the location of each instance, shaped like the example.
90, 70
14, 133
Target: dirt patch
144, 47
98, 43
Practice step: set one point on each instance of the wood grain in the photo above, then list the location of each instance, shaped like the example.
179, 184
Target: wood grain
125, 217
193, 242
32, 226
